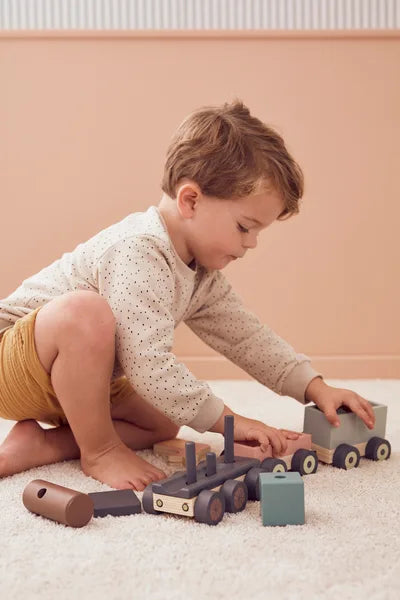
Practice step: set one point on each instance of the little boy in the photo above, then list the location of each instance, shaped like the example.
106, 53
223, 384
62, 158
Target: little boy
85, 344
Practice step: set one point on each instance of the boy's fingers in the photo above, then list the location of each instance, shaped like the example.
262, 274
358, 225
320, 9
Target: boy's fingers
278, 442
370, 411
367, 419
265, 445
362, 410
284, 446
265, 442
290, 435
260, 437
332, 417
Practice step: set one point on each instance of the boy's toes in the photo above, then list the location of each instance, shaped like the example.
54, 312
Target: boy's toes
147, 479
136, 485
150, 476
155, 473
131, 484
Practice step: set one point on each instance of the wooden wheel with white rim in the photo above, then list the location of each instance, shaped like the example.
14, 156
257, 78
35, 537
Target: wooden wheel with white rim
346, 457
304, 461
273, 465
378, 449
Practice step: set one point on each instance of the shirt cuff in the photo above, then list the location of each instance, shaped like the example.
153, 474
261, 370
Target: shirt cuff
208, 414
296, 382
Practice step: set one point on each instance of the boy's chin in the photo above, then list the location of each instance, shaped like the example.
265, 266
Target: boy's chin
215, 264
222, 263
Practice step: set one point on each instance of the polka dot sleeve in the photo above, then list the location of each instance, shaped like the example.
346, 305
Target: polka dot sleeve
224, 323
138, 282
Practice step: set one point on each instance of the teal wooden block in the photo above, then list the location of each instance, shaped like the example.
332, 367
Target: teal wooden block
282, 498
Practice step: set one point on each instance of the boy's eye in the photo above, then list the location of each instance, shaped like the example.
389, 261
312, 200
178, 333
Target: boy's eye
243, 229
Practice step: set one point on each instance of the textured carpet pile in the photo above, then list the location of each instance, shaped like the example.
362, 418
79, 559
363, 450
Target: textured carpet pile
349, 547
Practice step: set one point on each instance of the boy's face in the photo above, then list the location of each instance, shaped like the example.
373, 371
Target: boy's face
220, 231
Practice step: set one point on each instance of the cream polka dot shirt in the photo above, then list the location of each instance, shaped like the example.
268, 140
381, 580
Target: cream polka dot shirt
134, 266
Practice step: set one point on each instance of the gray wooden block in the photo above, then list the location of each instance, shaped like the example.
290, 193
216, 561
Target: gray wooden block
117, 503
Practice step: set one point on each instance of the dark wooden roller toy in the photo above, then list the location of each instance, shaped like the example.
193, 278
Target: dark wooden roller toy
58, 503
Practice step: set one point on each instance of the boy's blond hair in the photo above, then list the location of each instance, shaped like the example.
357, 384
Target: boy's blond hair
228, 153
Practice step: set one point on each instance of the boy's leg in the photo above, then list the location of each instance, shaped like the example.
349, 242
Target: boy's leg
153, 426
57, 444
138, 424
75, 342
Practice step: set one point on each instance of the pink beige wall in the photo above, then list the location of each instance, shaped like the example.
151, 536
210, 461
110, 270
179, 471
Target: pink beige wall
85, 119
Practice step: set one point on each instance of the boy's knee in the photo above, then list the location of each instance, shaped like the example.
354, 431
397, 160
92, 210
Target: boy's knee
87, 313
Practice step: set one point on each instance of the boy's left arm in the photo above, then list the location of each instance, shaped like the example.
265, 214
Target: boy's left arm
225, 324
329, 399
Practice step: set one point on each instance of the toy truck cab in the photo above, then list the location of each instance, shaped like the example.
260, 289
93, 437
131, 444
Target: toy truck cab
343, 446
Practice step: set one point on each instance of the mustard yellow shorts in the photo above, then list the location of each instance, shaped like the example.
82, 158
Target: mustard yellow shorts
26, 391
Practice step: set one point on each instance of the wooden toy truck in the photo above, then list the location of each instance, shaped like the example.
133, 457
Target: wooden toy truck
344, 445
205, 492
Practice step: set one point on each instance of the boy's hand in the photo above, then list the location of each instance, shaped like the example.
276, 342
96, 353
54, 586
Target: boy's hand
329, 399
246, 430
250, 429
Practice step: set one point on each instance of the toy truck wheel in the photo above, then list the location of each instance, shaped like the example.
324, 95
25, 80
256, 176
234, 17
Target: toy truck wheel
304, 461
346, 457
209, 507
273, 465
252, 480
378, 449
235, 494
147, 501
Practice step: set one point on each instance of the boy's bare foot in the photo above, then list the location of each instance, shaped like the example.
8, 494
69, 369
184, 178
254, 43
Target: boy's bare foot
120, 468
25, 447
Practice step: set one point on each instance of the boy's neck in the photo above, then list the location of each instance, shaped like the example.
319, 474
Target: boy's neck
173, 221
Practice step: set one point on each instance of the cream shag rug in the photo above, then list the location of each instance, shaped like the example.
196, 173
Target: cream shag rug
349, 547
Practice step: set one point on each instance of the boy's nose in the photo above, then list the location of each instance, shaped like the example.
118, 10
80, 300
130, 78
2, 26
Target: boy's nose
251, 243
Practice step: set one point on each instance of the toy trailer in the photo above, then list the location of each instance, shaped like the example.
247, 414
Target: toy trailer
343, 446
300, 456
205, 492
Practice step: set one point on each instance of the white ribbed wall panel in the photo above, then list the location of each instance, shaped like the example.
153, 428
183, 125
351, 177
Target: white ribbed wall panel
199, 14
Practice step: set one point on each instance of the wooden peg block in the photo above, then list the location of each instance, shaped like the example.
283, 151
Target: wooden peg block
173, 451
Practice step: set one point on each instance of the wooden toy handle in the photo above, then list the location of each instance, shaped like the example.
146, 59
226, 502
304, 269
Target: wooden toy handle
58, 503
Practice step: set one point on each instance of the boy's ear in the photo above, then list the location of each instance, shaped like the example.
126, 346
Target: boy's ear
187, 198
